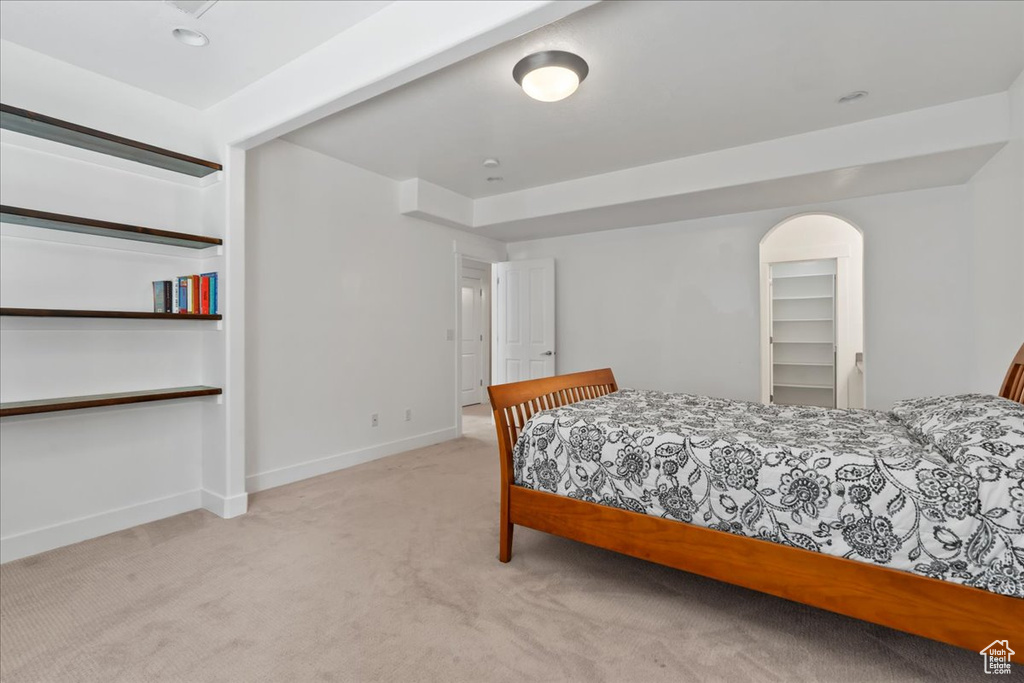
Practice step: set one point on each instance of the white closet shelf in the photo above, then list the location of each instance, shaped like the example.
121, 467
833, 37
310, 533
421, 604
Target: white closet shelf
802, 320
804, 386
784, 341
799, 298
805, 363
799, 275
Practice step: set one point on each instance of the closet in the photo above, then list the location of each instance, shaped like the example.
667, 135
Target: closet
812, 313
803, 333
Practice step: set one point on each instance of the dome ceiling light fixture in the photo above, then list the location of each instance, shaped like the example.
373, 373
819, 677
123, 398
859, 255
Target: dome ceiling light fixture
551, 75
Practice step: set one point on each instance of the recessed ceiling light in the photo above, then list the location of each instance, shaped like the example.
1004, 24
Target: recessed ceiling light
190, 37
491, 163
494, 179
550, 76
852, 96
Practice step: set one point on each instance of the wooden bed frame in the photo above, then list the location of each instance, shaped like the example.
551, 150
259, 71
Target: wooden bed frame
948, 612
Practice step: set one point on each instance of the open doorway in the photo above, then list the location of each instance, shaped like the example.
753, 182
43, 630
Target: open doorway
474, 332
812, 313
506, 327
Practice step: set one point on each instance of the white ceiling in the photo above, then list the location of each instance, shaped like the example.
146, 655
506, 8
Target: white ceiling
672, 79
132, 42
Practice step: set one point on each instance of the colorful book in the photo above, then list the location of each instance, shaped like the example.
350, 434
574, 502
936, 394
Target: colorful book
204, 294
183, 294
214, 293
195, 294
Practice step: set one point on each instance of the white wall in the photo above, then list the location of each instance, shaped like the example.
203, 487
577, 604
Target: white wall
78, 475
675, 306
348, 306
69, 476
997, 195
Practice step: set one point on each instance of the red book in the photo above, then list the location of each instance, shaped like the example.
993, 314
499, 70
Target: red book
204, 295
194, 308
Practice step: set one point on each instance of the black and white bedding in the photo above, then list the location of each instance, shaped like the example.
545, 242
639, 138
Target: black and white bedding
935, 487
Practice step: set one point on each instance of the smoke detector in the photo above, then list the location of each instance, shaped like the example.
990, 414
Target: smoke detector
190, 37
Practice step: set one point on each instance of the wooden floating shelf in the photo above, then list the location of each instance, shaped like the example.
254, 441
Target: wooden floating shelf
51, 405
92, 226
49, 128
73, 313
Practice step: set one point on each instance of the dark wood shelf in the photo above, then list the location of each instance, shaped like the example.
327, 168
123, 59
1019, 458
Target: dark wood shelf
73, 313
49, 128
92, 226
51, 405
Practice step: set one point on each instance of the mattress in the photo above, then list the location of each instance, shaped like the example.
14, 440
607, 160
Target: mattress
850, 483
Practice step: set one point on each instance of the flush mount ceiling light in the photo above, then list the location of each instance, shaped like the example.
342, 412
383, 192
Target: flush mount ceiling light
190, 37
852, 96
550, 76
491, 163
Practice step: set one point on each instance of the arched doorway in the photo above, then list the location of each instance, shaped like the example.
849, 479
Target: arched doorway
812, 312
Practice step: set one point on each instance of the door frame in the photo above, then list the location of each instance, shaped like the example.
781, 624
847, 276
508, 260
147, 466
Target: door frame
811, 236
483, 271
461, 254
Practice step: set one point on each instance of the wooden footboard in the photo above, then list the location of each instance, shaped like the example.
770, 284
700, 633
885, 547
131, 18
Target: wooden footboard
951, 613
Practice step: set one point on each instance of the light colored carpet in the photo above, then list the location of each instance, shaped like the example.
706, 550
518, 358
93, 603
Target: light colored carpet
388, 572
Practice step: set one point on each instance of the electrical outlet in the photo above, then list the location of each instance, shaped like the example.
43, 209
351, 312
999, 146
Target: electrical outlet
408, 414
374, 420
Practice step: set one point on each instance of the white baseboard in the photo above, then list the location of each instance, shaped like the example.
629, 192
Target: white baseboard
225, 507
36, 541
311, 468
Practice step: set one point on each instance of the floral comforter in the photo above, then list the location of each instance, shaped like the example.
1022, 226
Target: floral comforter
850, 483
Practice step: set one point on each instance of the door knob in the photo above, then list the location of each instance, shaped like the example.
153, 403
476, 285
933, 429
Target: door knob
548, 353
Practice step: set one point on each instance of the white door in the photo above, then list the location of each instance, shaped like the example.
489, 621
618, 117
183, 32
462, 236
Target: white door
525, 320
471, 354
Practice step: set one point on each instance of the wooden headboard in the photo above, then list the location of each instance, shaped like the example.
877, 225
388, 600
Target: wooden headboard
516, 403
1013, 385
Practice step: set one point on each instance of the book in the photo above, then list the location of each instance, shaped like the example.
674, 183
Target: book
214, 293
158, 297
183, 294
194, 294
204, 294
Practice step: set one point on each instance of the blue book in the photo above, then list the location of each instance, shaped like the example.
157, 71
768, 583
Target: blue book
183, 294
158, 297
214, 292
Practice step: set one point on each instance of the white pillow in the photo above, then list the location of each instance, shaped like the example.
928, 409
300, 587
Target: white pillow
965, 425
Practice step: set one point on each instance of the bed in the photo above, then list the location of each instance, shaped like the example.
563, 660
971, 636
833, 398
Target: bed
912, 519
